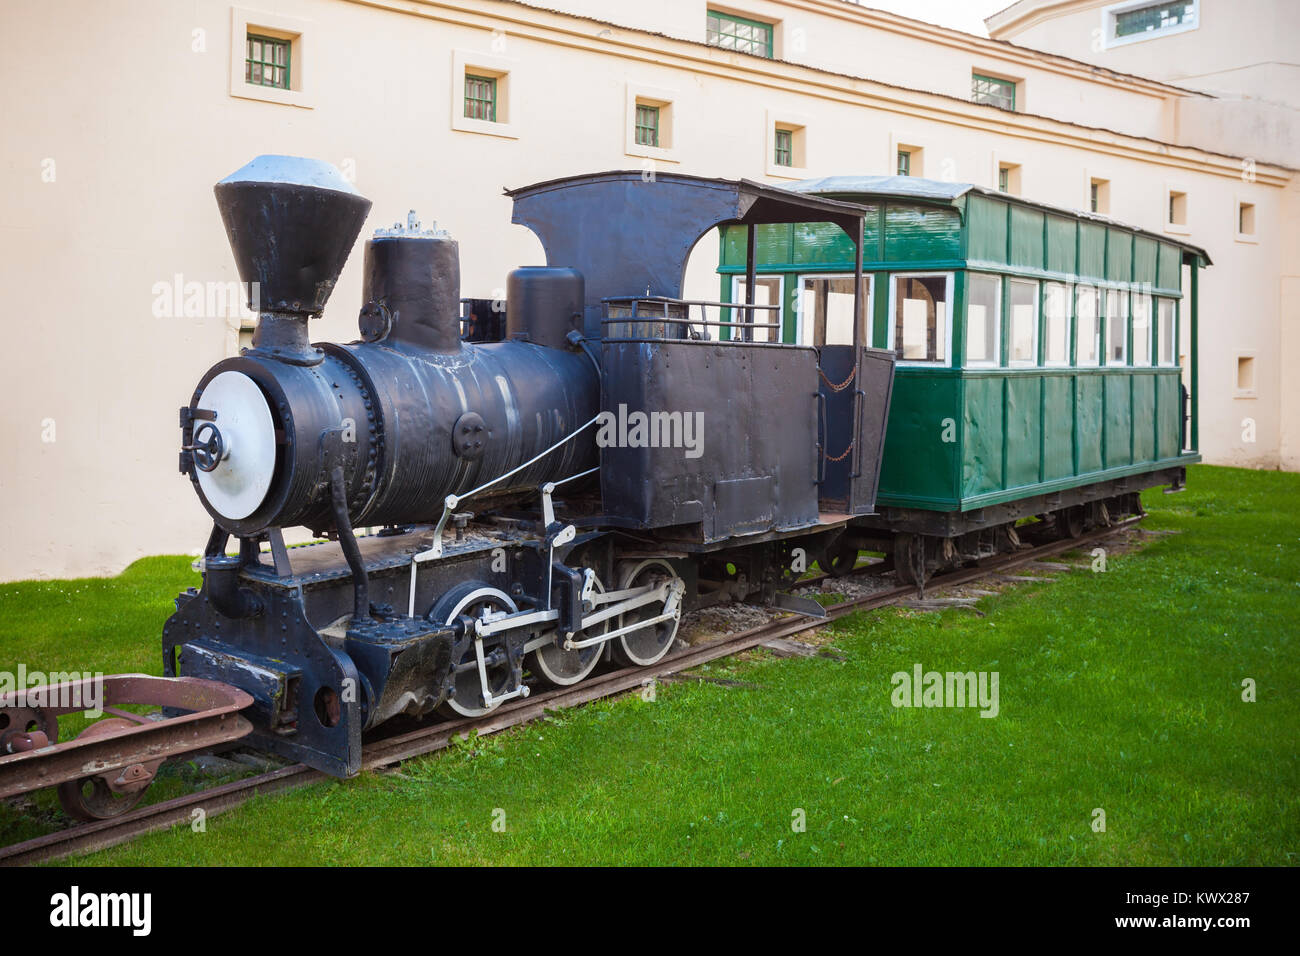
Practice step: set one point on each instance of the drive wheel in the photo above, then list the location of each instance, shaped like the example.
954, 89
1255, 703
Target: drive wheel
474, 600
647, 645
551, 664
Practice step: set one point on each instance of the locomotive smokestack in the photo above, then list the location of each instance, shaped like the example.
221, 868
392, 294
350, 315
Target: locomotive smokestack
291, 223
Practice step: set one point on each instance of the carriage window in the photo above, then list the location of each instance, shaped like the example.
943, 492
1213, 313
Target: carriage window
1165, 328
983, 318
920, 329
1116, 327
1056, 324
1023, 299
767, 291
1141, 329
1087, 328
826, 309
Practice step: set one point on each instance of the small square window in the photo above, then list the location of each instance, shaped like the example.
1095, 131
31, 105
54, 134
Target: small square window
1009, 178
1245, 373
481, 97
904, 162
1177, 208
1245, 219
993, 91
784, 147
267, 61
647, 125
1099, 196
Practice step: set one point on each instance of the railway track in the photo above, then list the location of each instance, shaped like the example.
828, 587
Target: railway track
388, 751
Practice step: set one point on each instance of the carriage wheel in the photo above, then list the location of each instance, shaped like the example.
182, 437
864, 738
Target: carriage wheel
1069, 522
911, 553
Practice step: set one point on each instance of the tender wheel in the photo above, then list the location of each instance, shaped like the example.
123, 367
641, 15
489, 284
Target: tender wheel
839, 558
99, 798
648, 644
475, 600
552, 664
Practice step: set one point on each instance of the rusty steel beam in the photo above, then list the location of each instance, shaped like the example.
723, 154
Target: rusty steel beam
214, 718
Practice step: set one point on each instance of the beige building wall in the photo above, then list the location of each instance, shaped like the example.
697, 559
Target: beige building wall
1246, 48
108, 162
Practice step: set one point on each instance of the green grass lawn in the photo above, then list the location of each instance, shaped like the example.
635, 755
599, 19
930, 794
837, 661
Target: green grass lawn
1120, 691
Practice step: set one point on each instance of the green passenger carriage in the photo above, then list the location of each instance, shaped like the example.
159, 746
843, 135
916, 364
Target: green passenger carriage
1039, 370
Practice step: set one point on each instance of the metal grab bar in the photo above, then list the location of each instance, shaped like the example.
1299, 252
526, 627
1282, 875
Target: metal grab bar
451, 502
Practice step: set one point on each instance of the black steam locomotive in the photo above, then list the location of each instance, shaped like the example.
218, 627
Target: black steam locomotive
542, 502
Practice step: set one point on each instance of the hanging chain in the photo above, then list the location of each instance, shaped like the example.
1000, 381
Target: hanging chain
845, 454
844, 384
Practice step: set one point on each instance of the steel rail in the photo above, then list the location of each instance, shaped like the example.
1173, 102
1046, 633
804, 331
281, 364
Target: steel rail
385, 752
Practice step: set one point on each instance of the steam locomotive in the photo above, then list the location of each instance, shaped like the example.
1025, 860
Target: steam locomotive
516, 546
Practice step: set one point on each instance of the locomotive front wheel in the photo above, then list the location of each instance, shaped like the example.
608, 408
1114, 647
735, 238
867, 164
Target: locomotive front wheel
646, 645
475, 600
96, 798
552, 664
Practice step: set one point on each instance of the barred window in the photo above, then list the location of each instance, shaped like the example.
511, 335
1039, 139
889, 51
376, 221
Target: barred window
737, 33
647, 125
267, 61
992, 91
784, 147
1157, 16
481, 97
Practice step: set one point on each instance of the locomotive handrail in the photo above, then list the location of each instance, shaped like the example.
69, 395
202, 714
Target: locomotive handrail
451, 502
